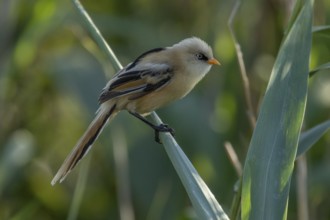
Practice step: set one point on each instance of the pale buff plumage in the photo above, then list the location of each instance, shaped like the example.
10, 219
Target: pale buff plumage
153, 80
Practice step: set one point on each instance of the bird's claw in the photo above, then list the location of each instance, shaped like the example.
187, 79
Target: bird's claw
162, 128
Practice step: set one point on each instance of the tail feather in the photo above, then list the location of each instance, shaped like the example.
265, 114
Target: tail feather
105, 113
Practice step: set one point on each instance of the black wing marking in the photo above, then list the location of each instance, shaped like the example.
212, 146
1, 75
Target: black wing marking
113, 94
136, 61
124, 78
151, 87
149, 81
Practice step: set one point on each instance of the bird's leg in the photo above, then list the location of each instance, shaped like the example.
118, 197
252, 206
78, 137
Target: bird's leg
157, 128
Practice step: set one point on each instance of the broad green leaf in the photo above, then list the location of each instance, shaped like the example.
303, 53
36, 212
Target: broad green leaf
202, 199
295, 13
325, 66
310, 137
272, 152
325, 29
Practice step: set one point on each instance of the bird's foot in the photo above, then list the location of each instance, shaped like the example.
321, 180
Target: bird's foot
162, 128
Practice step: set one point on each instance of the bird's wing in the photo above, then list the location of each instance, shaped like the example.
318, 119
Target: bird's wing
137, 82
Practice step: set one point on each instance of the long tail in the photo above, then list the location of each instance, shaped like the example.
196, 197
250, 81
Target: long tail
105, 113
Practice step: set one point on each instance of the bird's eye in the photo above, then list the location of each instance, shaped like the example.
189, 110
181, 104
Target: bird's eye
201, 56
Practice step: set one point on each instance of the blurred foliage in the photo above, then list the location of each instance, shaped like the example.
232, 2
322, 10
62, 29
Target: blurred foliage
51, 73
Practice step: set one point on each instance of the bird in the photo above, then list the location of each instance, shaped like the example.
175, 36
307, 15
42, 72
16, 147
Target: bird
154, 79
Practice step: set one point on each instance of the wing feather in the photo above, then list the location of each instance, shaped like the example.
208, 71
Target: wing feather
137, 82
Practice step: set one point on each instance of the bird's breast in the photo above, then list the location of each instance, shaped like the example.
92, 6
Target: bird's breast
177, 88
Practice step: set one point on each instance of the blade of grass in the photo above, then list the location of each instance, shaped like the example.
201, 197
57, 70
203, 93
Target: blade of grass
272, 152
246, 83
325, 66
203, 201
233, 158
97, 36
309, 138
236, 203
120, 156
325, 29
302, 194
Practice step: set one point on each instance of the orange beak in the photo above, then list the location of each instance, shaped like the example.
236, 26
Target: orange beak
213, 61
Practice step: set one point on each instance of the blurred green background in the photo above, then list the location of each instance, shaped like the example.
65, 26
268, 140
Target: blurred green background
51, 73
